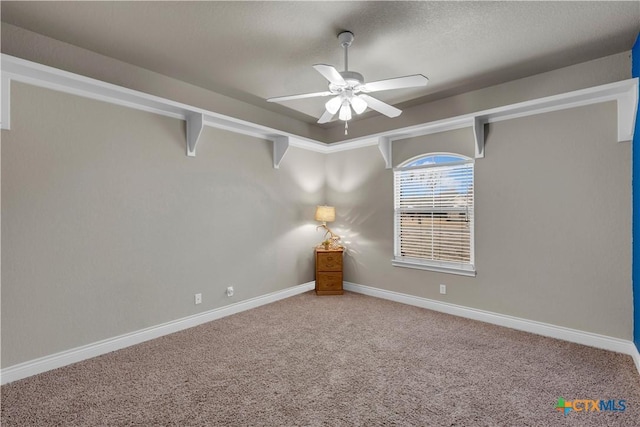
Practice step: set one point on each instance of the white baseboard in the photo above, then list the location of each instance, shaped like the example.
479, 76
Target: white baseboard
636, 357
47, 363
545, 329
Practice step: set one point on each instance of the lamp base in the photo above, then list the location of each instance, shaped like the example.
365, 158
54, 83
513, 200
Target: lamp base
331, 244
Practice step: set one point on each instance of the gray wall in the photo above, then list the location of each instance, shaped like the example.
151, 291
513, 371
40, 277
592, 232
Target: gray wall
553, 220
108, 227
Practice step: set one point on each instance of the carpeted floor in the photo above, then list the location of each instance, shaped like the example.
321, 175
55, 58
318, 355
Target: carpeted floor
348, 360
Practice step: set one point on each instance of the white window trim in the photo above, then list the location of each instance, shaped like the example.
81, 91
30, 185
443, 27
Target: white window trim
462, 269
440, 267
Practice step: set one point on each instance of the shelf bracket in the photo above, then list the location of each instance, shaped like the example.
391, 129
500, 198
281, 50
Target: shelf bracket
280, 147
195, 123
627, 105
5, 100
384, 144
478, 133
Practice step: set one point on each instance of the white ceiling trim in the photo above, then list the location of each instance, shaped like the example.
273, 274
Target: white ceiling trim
625, 93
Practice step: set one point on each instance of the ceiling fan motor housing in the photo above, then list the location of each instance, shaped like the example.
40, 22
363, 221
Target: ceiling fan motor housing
352, 78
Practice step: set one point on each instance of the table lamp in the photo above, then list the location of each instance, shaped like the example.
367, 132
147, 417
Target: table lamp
327, 214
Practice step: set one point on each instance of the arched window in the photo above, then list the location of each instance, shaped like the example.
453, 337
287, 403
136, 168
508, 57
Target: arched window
433, 204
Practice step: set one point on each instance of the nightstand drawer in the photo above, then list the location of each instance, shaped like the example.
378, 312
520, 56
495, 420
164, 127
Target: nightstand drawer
329, 281
330, 261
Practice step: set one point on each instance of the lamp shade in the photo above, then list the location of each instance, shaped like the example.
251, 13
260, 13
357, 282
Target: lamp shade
325, 213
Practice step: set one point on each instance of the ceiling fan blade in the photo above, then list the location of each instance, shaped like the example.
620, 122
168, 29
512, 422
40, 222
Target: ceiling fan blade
397, 83
300, 96
381, 107
331, 74
326, 117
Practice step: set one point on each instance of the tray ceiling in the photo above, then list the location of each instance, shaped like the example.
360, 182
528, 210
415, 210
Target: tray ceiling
255, 50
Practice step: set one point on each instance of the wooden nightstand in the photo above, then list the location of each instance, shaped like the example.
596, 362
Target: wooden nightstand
329, 271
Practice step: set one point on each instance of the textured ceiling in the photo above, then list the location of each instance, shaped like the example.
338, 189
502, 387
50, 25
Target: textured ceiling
256, 50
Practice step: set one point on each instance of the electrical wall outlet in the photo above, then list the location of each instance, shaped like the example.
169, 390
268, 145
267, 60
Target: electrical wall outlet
443, 289
230, 291
198, 298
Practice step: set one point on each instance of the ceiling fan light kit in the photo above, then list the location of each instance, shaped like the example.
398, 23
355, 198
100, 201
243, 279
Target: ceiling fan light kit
349, 90
358, 104
345, 111
333, 105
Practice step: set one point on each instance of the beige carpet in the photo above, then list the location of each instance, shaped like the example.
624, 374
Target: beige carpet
348, 360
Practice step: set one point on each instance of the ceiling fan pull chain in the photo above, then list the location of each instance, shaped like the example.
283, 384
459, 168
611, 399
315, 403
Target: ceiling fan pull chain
346, 128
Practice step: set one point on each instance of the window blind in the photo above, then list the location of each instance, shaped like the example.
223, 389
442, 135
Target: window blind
434, 214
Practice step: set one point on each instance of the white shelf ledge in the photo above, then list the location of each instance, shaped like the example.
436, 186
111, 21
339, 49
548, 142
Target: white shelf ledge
20, 70
624, 93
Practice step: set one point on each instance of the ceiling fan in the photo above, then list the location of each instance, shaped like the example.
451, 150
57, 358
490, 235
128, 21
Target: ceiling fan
349, 90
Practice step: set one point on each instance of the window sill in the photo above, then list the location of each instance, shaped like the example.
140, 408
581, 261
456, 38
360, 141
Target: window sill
470, 271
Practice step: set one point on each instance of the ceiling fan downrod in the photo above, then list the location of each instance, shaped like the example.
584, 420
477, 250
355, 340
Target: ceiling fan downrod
353, 78
346, 38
